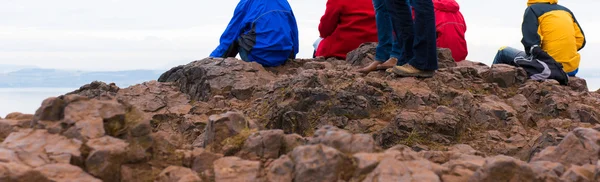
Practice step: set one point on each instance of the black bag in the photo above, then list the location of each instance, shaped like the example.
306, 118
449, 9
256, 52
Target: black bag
539, 65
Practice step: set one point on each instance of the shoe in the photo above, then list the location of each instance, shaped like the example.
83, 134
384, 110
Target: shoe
407, 70
390, 63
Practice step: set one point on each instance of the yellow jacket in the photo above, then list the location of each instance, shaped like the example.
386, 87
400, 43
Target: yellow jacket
556, 30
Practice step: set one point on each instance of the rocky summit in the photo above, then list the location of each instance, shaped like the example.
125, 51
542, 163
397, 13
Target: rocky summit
310, 121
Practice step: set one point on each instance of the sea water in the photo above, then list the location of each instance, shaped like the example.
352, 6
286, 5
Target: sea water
26, 100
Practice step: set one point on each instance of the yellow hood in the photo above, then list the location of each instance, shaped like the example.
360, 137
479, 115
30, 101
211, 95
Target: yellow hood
530, 2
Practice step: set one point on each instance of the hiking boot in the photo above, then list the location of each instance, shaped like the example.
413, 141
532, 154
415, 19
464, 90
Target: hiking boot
407, 70
390, 63
371, 67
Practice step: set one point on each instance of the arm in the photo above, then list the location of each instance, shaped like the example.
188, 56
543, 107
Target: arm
330, 19
529, 29
233, 30
579, 35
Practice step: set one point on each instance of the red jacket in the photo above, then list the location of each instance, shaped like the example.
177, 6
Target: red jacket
345, 25
451, 27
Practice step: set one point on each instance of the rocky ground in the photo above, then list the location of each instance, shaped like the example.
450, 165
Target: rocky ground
310, 120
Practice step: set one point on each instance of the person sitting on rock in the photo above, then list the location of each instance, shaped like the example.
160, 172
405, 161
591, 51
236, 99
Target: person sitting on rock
344, 26
552, 27
451, 27
262, 31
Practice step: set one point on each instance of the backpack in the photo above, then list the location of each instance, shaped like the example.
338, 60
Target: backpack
539, 65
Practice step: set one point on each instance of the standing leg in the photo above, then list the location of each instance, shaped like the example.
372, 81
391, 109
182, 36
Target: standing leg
424, 47
403, 27
384, 36
384, 31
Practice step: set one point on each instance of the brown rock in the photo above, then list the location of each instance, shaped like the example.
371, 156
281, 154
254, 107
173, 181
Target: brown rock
390, 169
342, 140
221, 127
366, 162
52, 109
579, 147
505, 75
292, 141
461, 169
464, 149
178, 174
519, 102
445, 59
236, 169
139, 172
584, 113
19, 116
493, 112
281, 170
96, 90
579, 174
359, 56
578, 84
8, 126
423, 126
156, 98
503, 168
14, 172
263, 145
38, 147
65, 172
547, 171
315, 163
203, 163
106, 156
229, 77
89, 117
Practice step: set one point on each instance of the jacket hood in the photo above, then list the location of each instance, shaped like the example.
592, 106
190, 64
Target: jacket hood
446, 5
530, 2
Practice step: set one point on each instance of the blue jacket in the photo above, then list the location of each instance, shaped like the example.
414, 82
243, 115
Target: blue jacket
265, 29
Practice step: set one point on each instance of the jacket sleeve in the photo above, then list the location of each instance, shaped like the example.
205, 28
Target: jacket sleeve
330, 19
233, 30
579, 35
295, 37
529, 29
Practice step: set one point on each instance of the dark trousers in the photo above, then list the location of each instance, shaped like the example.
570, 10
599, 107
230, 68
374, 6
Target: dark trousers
234, 49
385, 34
416, 39
507, 55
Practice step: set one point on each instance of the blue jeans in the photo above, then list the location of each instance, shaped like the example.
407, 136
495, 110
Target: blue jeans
507, 55
387, 43
416, 39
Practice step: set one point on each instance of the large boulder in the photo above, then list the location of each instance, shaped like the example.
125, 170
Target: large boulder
314, 163
106, 157
228, 77
343, 140
236, 169
505, 75
38, 147
503, 168
580, 147
178, 174
445, 59
268, 144
226, 132
156, 98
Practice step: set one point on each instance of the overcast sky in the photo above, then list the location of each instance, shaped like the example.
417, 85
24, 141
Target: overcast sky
158, 34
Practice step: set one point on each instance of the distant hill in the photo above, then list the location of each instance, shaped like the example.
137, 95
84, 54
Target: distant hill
36, 77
